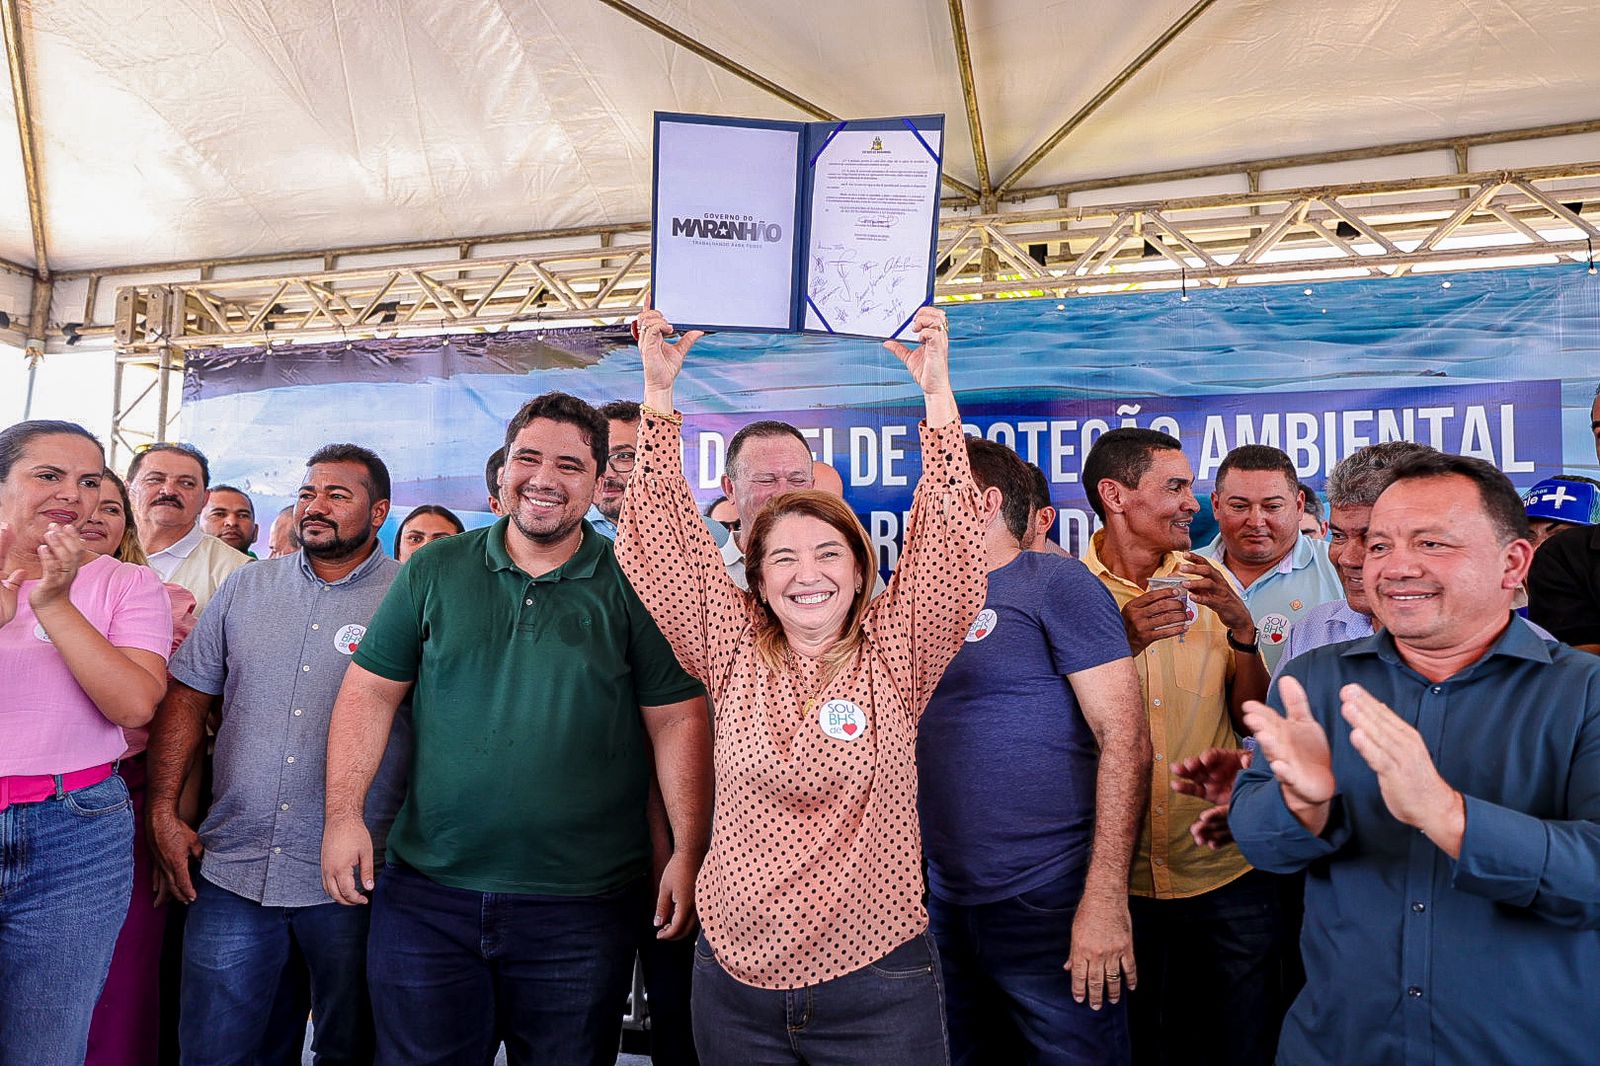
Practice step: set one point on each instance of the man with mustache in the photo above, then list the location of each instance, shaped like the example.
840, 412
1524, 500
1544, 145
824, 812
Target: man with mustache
1439, 782
167, 483
271, 652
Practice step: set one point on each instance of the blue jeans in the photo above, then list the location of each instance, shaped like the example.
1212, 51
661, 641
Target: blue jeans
1210, 976
66, 876
453, 972
887, 1013
1007, 992
234, 954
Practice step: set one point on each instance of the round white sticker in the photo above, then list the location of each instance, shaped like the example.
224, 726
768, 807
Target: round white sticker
982, 626
842, 720
1275, 628
38, 631
349, 638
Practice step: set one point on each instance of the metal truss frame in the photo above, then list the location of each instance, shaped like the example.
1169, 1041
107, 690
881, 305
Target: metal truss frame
1366, 229
1358, 230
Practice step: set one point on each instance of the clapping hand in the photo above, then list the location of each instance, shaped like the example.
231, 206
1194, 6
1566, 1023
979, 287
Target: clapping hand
1296, 747
61, 554
9, 583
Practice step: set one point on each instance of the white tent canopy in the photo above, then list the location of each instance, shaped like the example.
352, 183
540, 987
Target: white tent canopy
217, 128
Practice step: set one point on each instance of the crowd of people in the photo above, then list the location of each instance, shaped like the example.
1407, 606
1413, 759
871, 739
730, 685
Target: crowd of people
1324, 790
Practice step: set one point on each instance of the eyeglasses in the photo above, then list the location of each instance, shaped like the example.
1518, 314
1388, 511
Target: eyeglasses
621, 462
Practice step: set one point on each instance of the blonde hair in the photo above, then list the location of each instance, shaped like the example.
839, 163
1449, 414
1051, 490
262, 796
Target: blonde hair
771, 641
130, 550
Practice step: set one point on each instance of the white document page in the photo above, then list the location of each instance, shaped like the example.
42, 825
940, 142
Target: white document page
724, 220
874, 199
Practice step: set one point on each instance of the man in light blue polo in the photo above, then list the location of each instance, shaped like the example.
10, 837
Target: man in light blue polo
271, 652
1284, 573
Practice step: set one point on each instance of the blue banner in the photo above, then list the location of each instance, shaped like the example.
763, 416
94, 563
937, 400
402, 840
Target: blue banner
1501, 365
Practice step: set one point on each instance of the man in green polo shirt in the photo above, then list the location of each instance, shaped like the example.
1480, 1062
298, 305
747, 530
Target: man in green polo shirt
520, 858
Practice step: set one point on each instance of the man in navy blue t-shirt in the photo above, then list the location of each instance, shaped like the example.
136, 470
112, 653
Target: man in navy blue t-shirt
1034, 758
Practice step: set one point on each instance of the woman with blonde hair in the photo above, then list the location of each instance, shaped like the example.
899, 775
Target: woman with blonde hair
815, 946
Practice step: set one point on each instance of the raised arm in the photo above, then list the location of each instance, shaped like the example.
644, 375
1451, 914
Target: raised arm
940, 583
669, 556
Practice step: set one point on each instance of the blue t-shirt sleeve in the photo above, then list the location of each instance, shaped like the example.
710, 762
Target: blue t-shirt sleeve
392, 646
201, 661
1081, 620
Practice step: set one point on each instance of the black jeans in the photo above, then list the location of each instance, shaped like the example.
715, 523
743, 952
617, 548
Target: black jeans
887, 1013
1210, 976
454, 972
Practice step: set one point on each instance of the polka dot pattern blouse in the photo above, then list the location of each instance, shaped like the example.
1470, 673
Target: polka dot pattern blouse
815, 861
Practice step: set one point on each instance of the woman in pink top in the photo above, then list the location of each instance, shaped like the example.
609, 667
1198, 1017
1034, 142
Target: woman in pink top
126, 1030
83, 646
815, 945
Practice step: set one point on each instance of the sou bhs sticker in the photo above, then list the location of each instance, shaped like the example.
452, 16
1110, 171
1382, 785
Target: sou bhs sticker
1275, 628
982, 626
349, 638
842, 720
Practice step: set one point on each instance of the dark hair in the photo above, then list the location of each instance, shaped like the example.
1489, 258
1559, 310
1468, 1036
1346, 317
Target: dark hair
1041, 487
1124, 455
564, 407
426, 509
1313, 501
237, 492
1258, 458
621, 411
171, 446
712, 506
377, 478
994, 466
14, 438
491, 471
1500, 500
761, 430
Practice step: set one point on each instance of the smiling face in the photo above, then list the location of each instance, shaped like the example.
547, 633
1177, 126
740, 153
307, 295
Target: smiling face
56, 480
1347, 550
334, 513
1258, 513
423, 529
102, 531
766, 467
809, 577
621, 453
548, 481
168, 493
231, 518
1158, 511
1435, 569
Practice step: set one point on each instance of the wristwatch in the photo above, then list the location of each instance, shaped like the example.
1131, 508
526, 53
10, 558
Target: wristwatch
1236, 645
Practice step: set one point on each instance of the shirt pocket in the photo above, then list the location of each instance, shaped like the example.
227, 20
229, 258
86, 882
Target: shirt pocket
1206, 681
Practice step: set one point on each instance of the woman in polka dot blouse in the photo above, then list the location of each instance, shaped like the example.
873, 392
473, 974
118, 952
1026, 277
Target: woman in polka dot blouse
815, 944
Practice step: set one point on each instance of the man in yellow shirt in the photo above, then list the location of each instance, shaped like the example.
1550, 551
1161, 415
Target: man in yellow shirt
1205, 925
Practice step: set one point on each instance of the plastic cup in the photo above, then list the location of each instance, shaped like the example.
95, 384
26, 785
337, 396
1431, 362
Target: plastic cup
1175, 582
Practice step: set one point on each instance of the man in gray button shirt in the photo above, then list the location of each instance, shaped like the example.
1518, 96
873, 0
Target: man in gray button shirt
273, 646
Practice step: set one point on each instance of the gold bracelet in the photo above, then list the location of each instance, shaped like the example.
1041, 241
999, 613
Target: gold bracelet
674, 417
